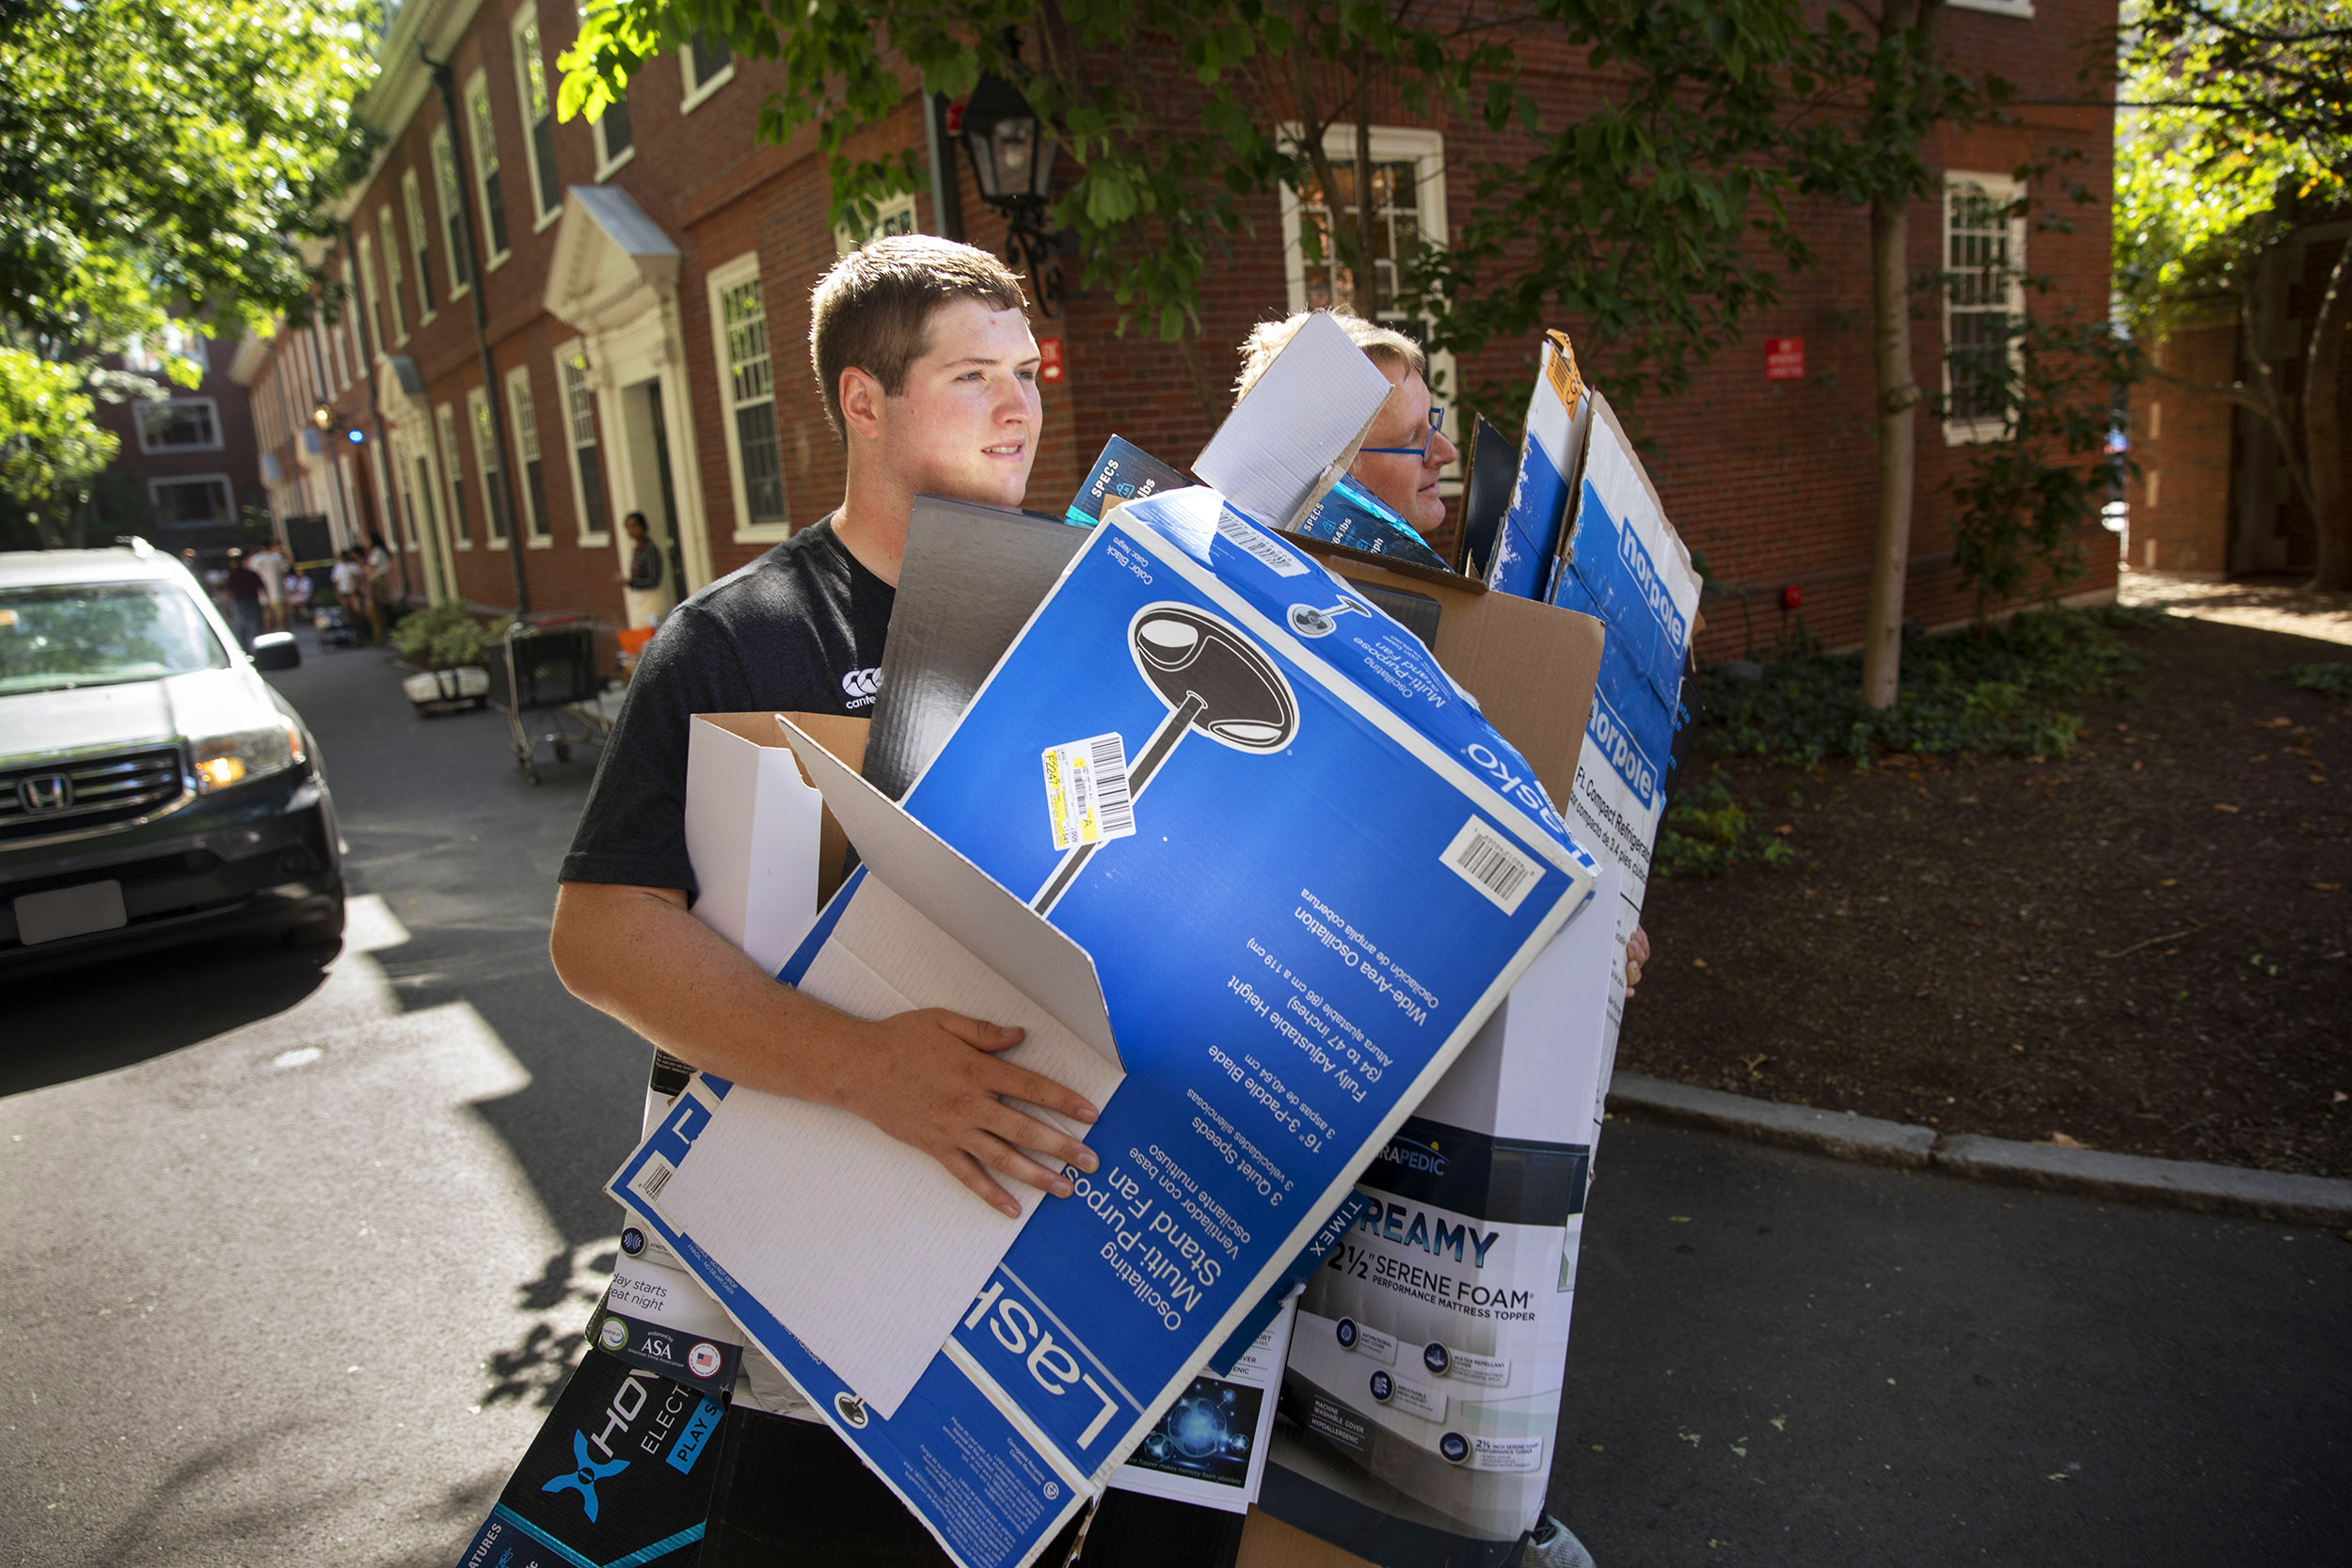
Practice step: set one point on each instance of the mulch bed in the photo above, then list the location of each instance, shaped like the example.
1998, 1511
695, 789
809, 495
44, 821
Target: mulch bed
2140, 947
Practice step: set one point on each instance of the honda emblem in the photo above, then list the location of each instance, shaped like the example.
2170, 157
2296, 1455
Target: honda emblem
46, 791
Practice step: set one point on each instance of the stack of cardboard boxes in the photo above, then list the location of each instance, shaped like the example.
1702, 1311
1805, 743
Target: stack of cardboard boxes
1310, 865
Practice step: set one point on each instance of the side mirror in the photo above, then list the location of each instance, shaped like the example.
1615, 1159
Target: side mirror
276, 650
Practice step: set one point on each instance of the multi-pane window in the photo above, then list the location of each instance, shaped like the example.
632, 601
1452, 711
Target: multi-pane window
392, 271
487, 462
1395, 237
179, 503
372, 301
179, 424
580, 411
486, 168
453, 213
453, 469
752, 399
538, 114
1984, 246
526, 419
706, 64
615, 138
412, 202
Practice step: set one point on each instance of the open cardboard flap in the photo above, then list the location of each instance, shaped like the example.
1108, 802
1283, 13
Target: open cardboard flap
765, 853
1295, 433
824, 1227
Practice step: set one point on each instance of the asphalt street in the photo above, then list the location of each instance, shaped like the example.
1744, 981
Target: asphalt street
301, 1252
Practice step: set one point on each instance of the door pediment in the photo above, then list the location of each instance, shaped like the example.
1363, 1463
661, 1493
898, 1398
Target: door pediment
611, 262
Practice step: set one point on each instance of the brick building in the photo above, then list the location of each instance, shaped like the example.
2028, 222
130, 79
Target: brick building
188, 462
2212, 497
644, 300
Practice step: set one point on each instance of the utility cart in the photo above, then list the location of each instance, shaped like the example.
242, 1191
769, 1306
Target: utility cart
546, 674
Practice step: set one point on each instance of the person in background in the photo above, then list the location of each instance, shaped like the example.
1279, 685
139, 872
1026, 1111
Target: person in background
244, 587
642, 587
379, 585
269, 565
351, 586
298, 597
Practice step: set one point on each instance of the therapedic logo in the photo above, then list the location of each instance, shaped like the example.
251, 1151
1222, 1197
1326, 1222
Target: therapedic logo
1625, 753
1415, 1155
584, 1480
1648, 583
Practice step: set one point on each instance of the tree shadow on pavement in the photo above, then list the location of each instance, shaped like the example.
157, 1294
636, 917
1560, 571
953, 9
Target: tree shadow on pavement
79, 1022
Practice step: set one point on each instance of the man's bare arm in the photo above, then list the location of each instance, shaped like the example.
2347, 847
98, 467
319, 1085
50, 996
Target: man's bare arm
930, 1078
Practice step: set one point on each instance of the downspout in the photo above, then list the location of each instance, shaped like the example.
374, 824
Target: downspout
382, 455
492, 393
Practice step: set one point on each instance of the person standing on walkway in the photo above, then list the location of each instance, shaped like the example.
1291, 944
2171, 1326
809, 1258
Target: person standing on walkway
269, 565
350, 578
923, 354
244, 587
642, 587
379, 588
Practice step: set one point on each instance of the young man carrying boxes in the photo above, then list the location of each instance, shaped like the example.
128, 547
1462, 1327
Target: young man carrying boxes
929, 373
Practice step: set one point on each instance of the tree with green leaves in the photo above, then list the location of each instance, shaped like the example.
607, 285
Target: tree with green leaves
160, 161
2237, 140
1633, 212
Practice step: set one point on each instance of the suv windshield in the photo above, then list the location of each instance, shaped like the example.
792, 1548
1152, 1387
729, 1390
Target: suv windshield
98, 634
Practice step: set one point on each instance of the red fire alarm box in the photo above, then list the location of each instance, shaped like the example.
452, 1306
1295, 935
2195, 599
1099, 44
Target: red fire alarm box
1784, 358
1049, 361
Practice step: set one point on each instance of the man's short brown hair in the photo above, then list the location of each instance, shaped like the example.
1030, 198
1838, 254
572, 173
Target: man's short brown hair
874, 309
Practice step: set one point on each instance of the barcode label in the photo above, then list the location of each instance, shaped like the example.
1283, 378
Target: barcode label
1492, 865
1270, 552
1087, 799
654, 1176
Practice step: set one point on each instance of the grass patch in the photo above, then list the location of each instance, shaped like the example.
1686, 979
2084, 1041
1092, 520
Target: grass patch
1983, 691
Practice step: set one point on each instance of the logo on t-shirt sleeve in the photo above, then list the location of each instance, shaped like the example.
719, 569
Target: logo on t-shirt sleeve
857, 687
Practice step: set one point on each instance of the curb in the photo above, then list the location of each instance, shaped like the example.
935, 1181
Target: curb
2312, 1200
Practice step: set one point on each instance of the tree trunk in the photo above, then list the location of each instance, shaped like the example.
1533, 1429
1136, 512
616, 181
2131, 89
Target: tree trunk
1898, 398
2323, 428
1367, 274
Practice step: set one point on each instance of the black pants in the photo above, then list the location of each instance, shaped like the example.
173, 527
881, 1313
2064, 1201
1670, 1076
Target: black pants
788, 1493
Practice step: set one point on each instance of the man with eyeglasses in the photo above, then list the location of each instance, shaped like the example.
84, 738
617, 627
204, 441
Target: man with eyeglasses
1405, 450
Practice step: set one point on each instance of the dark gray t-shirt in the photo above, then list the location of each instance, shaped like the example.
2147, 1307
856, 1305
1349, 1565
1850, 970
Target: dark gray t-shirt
799, 630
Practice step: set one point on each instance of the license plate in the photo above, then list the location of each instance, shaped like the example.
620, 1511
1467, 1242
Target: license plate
69, 911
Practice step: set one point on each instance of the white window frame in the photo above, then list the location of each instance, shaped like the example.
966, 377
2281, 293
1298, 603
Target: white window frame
394, 271
2021, 9
369, 298
721, 280
452, 477
694, 90
2000, 187
212, 409
420, 246
448, 191
530, 69
899, 208
1390, 144
522, 409
566, 356
488, 460
481, 115
157, 485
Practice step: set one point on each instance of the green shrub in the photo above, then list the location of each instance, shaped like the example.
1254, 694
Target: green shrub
2334, 677
1706, 833
442, 635
1992, 690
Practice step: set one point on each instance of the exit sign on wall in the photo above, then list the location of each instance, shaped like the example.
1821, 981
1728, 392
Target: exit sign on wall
1049, 359
1784, 358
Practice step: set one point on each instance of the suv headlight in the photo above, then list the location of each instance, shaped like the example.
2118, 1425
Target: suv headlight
222, 760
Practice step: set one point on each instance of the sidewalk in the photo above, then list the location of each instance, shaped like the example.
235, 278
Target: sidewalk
2280, 607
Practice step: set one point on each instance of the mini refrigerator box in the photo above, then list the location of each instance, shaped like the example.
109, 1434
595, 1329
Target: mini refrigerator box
1527, 543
